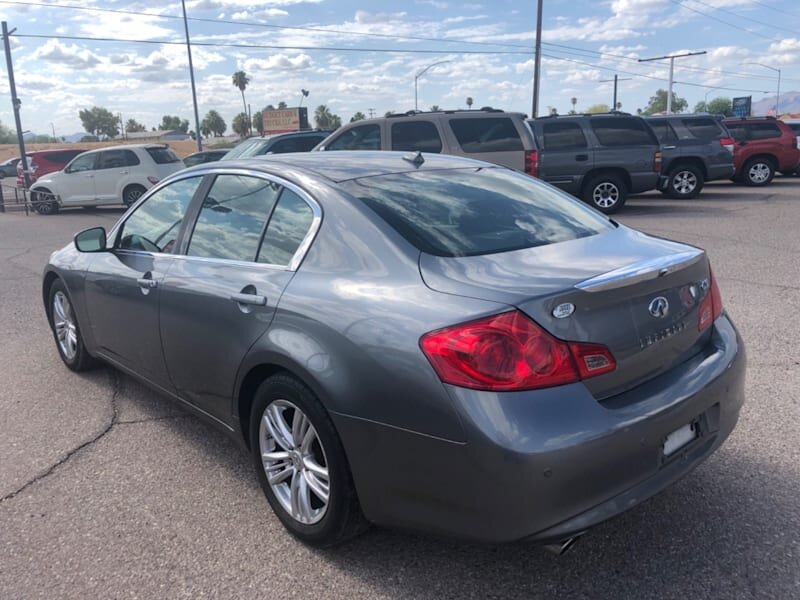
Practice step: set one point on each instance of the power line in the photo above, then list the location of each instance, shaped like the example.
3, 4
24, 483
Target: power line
728, 23
735, 14
779, 10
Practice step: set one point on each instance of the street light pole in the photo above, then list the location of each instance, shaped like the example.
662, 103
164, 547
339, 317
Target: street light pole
671, 58
537, 61
420, 74
778, 94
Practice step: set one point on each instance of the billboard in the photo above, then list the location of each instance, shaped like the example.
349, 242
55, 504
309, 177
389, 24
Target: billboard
741, 106
283, 120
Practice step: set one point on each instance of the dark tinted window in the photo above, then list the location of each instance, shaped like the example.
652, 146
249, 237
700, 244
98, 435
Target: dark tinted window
490, 134
763, 131
61, 156
232, 218
162, 156
153, 227
416, 135
296, 144
663, 131
561, 135
114, 159
287, 228
622, 131
363, 137
737, 130
465, 212
247, 148
703, 128
795, 127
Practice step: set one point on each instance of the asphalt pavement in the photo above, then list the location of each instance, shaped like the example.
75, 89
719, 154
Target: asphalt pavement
110, 491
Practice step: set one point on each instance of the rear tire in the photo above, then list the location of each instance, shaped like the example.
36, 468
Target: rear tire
66, 332
310, 488
758, 172
606, 192
132, 193
43, 203
685, 182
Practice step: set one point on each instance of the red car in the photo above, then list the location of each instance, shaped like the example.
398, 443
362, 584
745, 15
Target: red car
763, 145
42, 162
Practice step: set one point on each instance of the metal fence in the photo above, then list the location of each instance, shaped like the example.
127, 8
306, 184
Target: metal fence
20, 199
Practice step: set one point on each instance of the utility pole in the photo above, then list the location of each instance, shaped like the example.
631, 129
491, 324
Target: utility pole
614, 105
537, 60
671, 58
197, 135
371, 112
15, 102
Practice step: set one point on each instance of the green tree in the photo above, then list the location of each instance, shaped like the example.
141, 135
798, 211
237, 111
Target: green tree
435, 108
282, 105
99, 122
213, 123
258, 123
325, 119
6, 135
241, 124
173, 123
388, 113
718, 106
597, 108
269, 107
133, 126
359, 116
241, 81
658, 103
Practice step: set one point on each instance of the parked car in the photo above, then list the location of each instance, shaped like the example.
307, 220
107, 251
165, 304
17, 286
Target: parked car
44, 162
206, 156
498, 137
600, 158
794, 124
9, 168
763, 145
418, 341
115, 175
279, 143
696, 148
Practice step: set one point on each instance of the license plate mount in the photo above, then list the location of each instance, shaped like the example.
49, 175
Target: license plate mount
680, 438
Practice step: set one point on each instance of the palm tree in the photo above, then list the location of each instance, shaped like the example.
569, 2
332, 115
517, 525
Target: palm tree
469, 101
323, 117
358, 116
241, 80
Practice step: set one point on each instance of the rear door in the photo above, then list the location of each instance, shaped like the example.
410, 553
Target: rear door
112, 170
220, 295
564, 156
495, 139
626, 142
701, 137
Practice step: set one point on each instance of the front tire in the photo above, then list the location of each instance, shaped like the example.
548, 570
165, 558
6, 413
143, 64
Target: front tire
66, 332
43, 203
607, 193
685, 182
301, 464
132, 193
758, 172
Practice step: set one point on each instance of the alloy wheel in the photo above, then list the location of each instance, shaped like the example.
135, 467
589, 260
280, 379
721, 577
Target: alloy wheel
294, 462
684, 182
605, 195
759, 173
64, 323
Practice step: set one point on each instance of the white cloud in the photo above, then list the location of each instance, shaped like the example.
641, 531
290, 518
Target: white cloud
278, 62
69, 55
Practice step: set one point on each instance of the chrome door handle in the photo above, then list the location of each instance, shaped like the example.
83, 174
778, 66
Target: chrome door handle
89, 176
146, 283
669, 147
252, 299
123, 172
581, 157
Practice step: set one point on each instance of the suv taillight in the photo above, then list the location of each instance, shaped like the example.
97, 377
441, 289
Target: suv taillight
657, 158
711, 306
532, 163
509, 352
727, 143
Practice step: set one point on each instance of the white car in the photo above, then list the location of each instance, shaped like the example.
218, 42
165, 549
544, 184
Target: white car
114, 175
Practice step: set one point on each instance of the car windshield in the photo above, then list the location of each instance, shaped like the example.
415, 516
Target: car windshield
247, 148
469, 212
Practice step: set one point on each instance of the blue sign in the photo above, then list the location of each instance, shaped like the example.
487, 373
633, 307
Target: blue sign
741, 106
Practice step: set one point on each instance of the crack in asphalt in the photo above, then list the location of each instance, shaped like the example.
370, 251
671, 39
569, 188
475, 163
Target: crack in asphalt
109, 426
151, 419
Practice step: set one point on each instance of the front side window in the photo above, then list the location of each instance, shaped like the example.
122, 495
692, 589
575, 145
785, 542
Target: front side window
154, 225
622, 131
486, 134
232, 218
563, 135
287, 229
416, 135
82, 163
362, 137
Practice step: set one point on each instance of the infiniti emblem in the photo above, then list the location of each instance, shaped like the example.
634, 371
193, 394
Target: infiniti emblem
659, 307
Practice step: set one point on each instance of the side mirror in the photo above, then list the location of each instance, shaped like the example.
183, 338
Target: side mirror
91, 240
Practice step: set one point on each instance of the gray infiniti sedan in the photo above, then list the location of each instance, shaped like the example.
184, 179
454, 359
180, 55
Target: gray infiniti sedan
418, 341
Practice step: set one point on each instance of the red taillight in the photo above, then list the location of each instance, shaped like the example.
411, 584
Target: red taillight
727, 143
153, 180
508, 352
711, 306
532, 163
657, 157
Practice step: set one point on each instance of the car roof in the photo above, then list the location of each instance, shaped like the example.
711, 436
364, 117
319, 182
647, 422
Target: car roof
344, 165
477, 113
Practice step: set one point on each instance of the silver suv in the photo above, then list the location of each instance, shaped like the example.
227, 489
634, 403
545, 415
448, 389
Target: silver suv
498, 137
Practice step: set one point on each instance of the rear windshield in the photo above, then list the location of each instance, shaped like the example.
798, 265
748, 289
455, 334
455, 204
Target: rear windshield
468, 212
162, 156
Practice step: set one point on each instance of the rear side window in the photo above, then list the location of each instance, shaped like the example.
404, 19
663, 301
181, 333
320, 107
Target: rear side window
763, 131
490, 134
468, 212
562, 136
61, 157
703, 128
363, 137
295, 144
416, 135
115, 159
622, 131
737, 131
232, 218
663, 131
287, 229
795, 127
162, 156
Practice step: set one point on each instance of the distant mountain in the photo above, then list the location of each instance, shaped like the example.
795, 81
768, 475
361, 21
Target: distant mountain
790, 103
75, 137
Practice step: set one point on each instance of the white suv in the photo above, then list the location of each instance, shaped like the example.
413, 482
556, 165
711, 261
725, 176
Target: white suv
114, 175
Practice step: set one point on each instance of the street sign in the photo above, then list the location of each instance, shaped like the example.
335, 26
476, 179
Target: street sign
741, 106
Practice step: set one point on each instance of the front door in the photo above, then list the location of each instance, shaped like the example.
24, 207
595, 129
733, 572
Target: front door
221, 296
123, 285
76, 183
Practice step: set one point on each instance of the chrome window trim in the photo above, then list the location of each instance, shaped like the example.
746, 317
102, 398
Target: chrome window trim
641, 271
299, 254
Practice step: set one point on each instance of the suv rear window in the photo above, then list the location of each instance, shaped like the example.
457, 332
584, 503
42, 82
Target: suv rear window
162, 156
469, 212
490, 134
622, 131
562, 135
762, 131
703, 128
416, 135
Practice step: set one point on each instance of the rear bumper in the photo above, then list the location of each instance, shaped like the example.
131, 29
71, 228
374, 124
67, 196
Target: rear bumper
548, 464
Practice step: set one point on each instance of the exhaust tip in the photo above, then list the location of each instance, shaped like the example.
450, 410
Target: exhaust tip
562, 547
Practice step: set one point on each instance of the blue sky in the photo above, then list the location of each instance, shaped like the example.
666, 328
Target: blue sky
585, 43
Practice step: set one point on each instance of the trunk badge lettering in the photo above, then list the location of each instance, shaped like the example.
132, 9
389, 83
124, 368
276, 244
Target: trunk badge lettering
562, 311
659, 307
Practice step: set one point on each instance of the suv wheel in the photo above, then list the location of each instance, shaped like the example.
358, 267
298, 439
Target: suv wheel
685, 182
42, 202
607, 193
758, 172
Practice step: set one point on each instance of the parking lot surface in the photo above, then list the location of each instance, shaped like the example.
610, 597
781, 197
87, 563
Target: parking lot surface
108, 490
